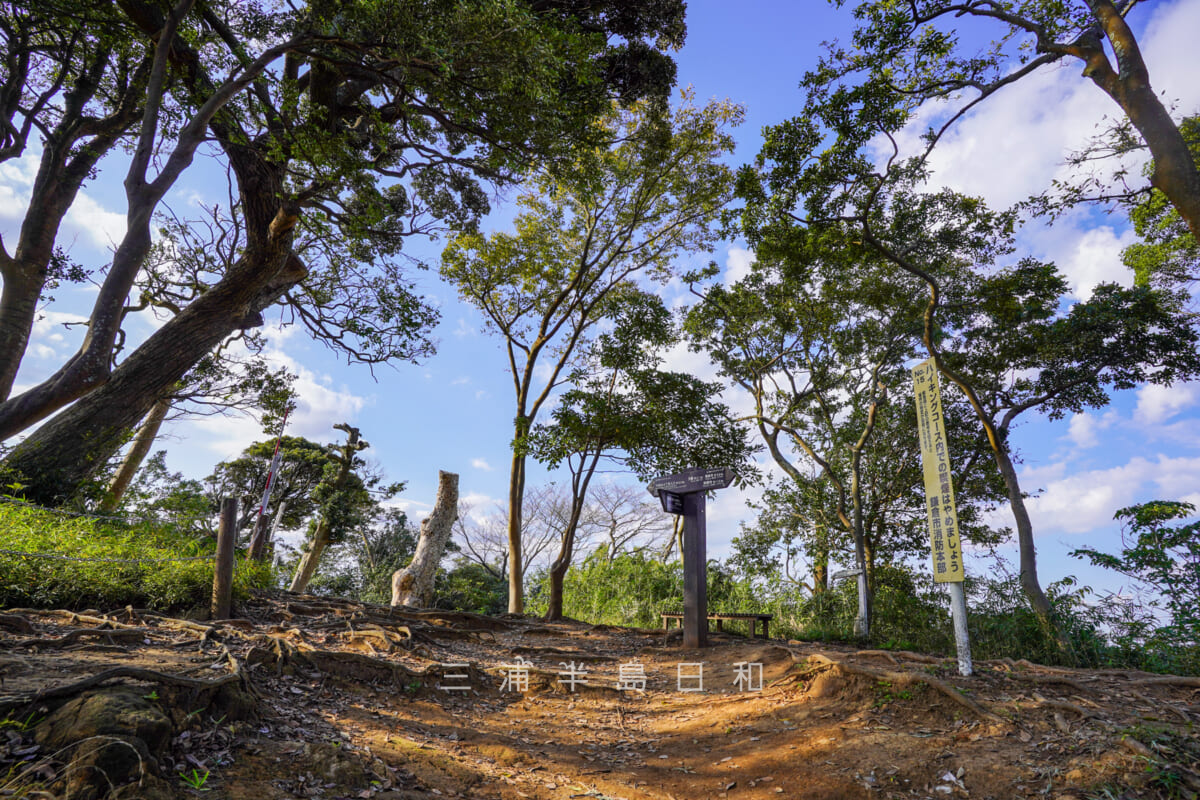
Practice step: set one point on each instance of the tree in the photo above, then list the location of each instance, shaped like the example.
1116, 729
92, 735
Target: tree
817, 352
1165, 559
75, 77
1006, 336
413, 585
347, 127
302, 466
590, 229
630, 523
624, 410
1168, 255
362, 566
905, 54
343, 505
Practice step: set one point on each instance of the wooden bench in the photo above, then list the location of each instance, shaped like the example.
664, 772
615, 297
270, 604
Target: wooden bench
765, 619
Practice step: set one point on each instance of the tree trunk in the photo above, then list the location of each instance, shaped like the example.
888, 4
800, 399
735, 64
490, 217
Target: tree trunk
1038, 600
820, 556
142, 443
323, 534
261, 538
862, 622
563, 561
516, 496
413, 585
57, 458
1175, 173
311, 558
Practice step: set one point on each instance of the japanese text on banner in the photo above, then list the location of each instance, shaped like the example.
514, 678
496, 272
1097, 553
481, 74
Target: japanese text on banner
935, 462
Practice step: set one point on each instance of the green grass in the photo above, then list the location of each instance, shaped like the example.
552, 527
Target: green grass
61, 583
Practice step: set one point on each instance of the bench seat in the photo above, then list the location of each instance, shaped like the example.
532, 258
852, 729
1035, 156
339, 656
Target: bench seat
765, 619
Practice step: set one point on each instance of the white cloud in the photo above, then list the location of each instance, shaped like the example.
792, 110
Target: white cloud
738, 264
462, 380
1085, 501
87, 217
50, 338
479, 463
1157, 404
320, 405
1094, 258
481, 506
482, 394
105, 228
1084, 428
1017, 140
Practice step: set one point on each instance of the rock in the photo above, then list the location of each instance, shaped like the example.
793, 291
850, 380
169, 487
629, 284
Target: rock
148, 788
105, 761
118, 712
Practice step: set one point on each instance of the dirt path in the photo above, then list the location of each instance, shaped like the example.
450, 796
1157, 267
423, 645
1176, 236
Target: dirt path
332, 699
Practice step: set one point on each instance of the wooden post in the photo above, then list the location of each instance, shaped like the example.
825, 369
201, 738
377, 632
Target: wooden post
222, 596
695, 572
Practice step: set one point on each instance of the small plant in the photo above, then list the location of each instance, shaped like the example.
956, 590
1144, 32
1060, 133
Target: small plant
412, 687
195, 780
18, 724
1164, 768
884, 694
152, 696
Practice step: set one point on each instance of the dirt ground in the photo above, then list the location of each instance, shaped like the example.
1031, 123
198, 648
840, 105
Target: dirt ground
310, 697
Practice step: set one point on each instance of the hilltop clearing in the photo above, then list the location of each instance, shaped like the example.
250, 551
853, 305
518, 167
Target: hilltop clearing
313, 697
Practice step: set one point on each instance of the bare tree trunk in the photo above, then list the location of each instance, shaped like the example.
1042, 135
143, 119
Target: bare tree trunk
142, 443
516, 496
323, 534
1038, 600
311, 558
820, 566
413, 585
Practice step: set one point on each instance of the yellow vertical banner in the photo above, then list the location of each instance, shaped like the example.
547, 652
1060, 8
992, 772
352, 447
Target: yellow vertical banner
939, 490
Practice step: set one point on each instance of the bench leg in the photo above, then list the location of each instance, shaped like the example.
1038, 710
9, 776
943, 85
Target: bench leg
720, 625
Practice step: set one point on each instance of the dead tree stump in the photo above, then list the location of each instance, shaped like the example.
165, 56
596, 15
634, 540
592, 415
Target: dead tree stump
413, 585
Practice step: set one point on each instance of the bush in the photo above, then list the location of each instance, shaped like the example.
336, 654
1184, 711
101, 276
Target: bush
470, 587
62, 581
632, 589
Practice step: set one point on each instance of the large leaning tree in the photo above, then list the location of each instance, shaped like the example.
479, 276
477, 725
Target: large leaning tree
902, 55
346, 126
589, 231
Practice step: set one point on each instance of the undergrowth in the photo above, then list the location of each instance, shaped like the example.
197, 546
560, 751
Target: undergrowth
67, 581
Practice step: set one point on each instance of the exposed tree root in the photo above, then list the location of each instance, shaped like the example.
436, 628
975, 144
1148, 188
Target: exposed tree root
1169, 680
235, 675
72, 637
907, 655
903, 678
17, 623
1056, 679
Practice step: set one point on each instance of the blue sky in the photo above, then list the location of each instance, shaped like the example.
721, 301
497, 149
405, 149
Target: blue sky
454, 411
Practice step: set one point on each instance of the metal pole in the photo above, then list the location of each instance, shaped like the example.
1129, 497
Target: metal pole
958, 612
222, 596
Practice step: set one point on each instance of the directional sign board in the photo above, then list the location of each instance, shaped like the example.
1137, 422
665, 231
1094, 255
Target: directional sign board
684, 494
671, 503
699, 479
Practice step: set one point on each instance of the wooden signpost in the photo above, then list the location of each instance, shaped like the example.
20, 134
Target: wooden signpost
684, 493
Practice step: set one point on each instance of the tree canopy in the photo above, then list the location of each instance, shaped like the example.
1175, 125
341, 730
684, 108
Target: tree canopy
345, 126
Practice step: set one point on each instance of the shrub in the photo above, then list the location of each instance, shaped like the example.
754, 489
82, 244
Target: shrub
67, 579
